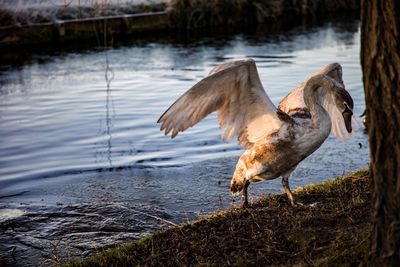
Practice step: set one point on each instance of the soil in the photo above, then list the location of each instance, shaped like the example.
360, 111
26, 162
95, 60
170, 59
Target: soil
330, 228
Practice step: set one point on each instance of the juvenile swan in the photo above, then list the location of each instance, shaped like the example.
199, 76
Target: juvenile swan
276, 140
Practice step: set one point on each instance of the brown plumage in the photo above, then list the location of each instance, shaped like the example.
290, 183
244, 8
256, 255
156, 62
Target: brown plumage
276, 139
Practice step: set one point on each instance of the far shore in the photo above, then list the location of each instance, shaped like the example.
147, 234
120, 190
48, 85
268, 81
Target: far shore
69, 24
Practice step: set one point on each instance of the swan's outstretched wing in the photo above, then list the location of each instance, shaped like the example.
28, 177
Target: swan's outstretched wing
294, 104
234, 90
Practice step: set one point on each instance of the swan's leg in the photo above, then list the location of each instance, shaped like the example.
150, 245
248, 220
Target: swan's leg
245, 202
286, 188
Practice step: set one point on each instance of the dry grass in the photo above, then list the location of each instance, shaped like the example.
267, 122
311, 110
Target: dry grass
191, 14
20, 15
331, 229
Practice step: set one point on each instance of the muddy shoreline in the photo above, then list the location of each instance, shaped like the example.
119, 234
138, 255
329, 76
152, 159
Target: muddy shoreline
331, 228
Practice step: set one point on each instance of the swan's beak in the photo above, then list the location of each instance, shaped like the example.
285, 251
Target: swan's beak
347, 120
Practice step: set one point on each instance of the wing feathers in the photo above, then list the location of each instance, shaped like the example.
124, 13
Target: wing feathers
294, 105
232, 89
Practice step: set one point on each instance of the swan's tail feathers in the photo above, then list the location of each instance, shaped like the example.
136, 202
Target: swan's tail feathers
238, 180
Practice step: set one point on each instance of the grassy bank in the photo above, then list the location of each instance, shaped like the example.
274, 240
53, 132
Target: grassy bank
191, 14
21, 15
184, 13
24, 26
331, 229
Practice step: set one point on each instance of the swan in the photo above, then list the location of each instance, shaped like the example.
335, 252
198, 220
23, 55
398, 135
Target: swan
275, 139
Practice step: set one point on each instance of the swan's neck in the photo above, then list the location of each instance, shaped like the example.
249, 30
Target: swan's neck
315, 91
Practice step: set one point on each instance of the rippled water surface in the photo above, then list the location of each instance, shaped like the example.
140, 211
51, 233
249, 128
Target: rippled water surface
82, 160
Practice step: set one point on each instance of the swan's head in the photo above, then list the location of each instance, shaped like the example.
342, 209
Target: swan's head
339, 105
336, 100
345, 104
343, 100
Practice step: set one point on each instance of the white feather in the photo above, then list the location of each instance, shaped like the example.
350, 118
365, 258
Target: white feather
338, 125
235, 92
295, 100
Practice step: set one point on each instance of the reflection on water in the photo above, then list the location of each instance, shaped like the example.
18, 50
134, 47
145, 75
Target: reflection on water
81, 153
109, 76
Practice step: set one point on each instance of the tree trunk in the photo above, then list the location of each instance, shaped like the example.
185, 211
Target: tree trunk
380, 60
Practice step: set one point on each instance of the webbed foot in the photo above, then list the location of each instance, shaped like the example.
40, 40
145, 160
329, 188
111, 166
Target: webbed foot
296, 204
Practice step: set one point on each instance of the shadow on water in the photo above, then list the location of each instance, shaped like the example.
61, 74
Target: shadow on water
141, 181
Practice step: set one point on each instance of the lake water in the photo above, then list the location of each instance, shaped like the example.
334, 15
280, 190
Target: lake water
83, 163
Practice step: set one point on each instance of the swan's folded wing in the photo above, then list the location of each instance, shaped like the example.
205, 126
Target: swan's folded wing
233, 90
294, 104
294, 101
338, 123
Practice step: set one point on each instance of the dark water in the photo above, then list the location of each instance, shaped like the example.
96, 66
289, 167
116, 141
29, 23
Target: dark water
84, 165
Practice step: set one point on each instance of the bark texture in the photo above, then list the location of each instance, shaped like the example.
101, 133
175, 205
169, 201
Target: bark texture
380, 49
